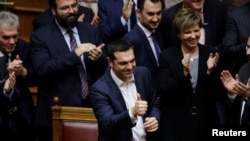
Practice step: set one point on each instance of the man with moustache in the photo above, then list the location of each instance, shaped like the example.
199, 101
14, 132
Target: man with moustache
67, 57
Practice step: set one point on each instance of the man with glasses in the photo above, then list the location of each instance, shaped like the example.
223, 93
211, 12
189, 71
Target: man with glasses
67, 57
85, 14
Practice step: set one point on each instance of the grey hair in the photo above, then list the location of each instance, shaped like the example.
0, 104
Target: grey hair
9, 18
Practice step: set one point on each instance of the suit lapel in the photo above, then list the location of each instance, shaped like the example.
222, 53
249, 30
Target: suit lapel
115, 92
146, 44
59, 40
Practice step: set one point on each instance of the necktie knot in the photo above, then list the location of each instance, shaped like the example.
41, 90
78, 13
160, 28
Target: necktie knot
73, 43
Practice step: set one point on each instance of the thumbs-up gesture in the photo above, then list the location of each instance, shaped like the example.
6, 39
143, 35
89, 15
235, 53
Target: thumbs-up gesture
17, 66
140, 107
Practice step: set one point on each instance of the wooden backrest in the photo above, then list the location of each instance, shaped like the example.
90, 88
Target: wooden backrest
74, 123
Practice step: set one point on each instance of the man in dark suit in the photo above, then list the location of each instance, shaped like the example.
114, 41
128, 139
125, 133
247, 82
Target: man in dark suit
149, 14
213, 13
238, 89
67, 57
16, 75
85, 14
237, 37
124, 103
117, 17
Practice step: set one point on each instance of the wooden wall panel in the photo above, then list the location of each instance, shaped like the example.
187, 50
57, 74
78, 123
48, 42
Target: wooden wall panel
26, 11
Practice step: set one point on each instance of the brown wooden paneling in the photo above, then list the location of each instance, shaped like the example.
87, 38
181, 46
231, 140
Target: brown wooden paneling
26, 11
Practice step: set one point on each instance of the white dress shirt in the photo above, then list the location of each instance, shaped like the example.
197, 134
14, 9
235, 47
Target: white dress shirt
129, 94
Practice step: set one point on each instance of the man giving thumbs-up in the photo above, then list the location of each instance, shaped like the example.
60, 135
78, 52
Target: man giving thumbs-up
123, 99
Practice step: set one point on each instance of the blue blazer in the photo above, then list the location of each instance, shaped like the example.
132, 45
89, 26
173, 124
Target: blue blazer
114, 123
56, 67
110, 12
214, 31
143, 52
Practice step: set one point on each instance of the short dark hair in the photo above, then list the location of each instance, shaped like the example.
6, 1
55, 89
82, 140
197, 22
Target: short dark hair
140, 3
118, 46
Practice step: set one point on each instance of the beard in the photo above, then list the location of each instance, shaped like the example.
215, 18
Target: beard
68, 22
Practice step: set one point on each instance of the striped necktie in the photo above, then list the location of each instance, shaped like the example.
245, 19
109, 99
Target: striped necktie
82, 73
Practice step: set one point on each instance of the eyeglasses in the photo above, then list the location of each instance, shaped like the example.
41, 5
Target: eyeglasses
68, 7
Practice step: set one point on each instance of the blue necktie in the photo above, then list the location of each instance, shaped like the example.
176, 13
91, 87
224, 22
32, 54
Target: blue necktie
133, 18
82, 74
156, 45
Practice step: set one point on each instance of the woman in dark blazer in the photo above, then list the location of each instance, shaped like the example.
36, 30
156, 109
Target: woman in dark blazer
188, 83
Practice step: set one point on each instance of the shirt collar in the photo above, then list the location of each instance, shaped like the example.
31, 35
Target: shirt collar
118, 81
145, 30
64, 31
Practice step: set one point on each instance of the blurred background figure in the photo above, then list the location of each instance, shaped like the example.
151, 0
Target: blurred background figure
237, 38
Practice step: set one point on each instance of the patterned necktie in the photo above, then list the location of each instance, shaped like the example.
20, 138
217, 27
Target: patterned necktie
82, 74
156, 45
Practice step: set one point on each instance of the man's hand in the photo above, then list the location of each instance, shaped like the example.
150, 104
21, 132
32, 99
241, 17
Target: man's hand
127, 9
242, 89
83, 48
17, 66
140, 107
151, 124
95, 21
10, 82
229, 82
94, 52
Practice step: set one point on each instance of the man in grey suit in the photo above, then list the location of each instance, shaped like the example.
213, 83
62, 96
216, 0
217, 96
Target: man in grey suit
124, 101
60, 51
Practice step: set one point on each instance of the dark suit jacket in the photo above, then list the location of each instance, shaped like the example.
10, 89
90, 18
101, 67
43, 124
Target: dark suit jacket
17, 113
214, 14
110, 109
110, 12
179, 100
143, 52
57, 67
237, 33
234, 109
47, 17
